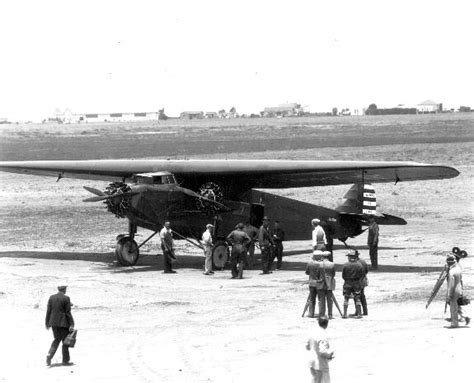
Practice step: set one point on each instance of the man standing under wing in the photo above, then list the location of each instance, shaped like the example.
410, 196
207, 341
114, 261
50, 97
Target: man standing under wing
59, 317
373, 242
167, 245
207, 242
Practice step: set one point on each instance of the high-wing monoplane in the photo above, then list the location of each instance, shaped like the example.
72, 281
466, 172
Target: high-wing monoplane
192, 193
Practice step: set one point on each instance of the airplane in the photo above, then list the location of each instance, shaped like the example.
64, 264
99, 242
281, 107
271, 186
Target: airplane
192, 193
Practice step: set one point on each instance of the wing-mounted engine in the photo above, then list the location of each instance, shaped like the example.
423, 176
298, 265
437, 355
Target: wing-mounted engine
120, 201
213, 195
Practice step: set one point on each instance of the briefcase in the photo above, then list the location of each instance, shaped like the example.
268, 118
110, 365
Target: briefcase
463, 300
70, 340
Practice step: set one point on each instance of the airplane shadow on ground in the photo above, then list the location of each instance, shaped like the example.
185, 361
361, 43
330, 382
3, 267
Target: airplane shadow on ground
150, 262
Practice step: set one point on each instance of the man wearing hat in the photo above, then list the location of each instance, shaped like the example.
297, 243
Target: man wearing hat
352, 273
455, 288
325, 284
59, 317
265, 241
240, 241
207, 242
319, 236
312, 270
167, 246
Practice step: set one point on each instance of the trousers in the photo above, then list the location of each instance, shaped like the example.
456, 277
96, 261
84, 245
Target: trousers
60, 333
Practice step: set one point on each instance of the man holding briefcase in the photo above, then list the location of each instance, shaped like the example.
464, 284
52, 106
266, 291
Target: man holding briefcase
59, 317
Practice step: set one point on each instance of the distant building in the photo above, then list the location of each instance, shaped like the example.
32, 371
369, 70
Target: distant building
191, 115
429, 106
211, 115
283, 110
115, 117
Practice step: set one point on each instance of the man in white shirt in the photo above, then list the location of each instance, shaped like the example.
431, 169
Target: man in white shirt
167, 245
207, 242
319, 236
320, 353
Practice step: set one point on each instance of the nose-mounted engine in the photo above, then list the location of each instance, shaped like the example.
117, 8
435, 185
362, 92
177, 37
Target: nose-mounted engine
120, 201
212, 192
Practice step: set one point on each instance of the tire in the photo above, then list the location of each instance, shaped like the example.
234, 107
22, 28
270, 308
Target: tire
124, 256
220, 255
463, 254
455, 250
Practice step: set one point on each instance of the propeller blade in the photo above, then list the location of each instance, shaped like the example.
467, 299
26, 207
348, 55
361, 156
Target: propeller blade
94, 191
101, 196
96, 199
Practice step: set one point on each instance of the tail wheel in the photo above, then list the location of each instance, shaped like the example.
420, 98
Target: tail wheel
220, 254
127, 251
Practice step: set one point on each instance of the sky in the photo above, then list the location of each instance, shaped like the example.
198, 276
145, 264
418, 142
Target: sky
141, 56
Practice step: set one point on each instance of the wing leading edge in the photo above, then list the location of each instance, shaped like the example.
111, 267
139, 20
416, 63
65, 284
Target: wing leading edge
254, 173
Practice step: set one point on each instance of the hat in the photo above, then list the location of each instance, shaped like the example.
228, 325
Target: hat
315, 221
265, 218
352, 254
62, 288
209, 226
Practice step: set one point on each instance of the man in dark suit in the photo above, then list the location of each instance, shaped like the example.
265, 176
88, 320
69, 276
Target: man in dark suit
59, 317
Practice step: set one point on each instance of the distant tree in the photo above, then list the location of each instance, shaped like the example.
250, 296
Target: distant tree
465, 109
162, 115
232, 110
372, 109
334, 111
221, 113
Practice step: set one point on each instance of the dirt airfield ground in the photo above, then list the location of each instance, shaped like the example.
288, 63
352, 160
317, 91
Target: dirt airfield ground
139, 325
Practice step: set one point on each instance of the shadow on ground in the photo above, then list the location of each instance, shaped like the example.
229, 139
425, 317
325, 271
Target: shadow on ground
155, 262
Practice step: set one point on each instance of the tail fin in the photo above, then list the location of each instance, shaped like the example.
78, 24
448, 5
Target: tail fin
360, 200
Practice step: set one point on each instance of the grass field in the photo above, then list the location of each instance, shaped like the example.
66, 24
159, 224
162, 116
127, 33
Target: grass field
324, 136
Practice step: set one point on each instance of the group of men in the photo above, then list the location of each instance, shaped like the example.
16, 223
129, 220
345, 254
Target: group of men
242, 240
321, 271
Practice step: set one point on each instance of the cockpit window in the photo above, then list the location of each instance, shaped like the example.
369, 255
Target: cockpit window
155, 179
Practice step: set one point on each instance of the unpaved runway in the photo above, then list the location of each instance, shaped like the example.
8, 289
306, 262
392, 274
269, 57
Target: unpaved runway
139, 325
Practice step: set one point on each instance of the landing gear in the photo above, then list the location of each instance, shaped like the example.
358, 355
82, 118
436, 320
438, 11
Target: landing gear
220, 254
127, 252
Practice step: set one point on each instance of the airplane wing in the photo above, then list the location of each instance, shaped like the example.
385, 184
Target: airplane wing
245, 174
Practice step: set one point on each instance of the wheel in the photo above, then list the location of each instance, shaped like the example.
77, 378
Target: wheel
463, 254
220, 254
127, 252
455, 250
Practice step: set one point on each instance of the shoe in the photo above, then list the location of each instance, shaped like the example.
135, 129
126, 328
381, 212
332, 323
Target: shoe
48, 360
169, 272
264, 272
211, 272
468, 320
67, 363
207, 273
331, 317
